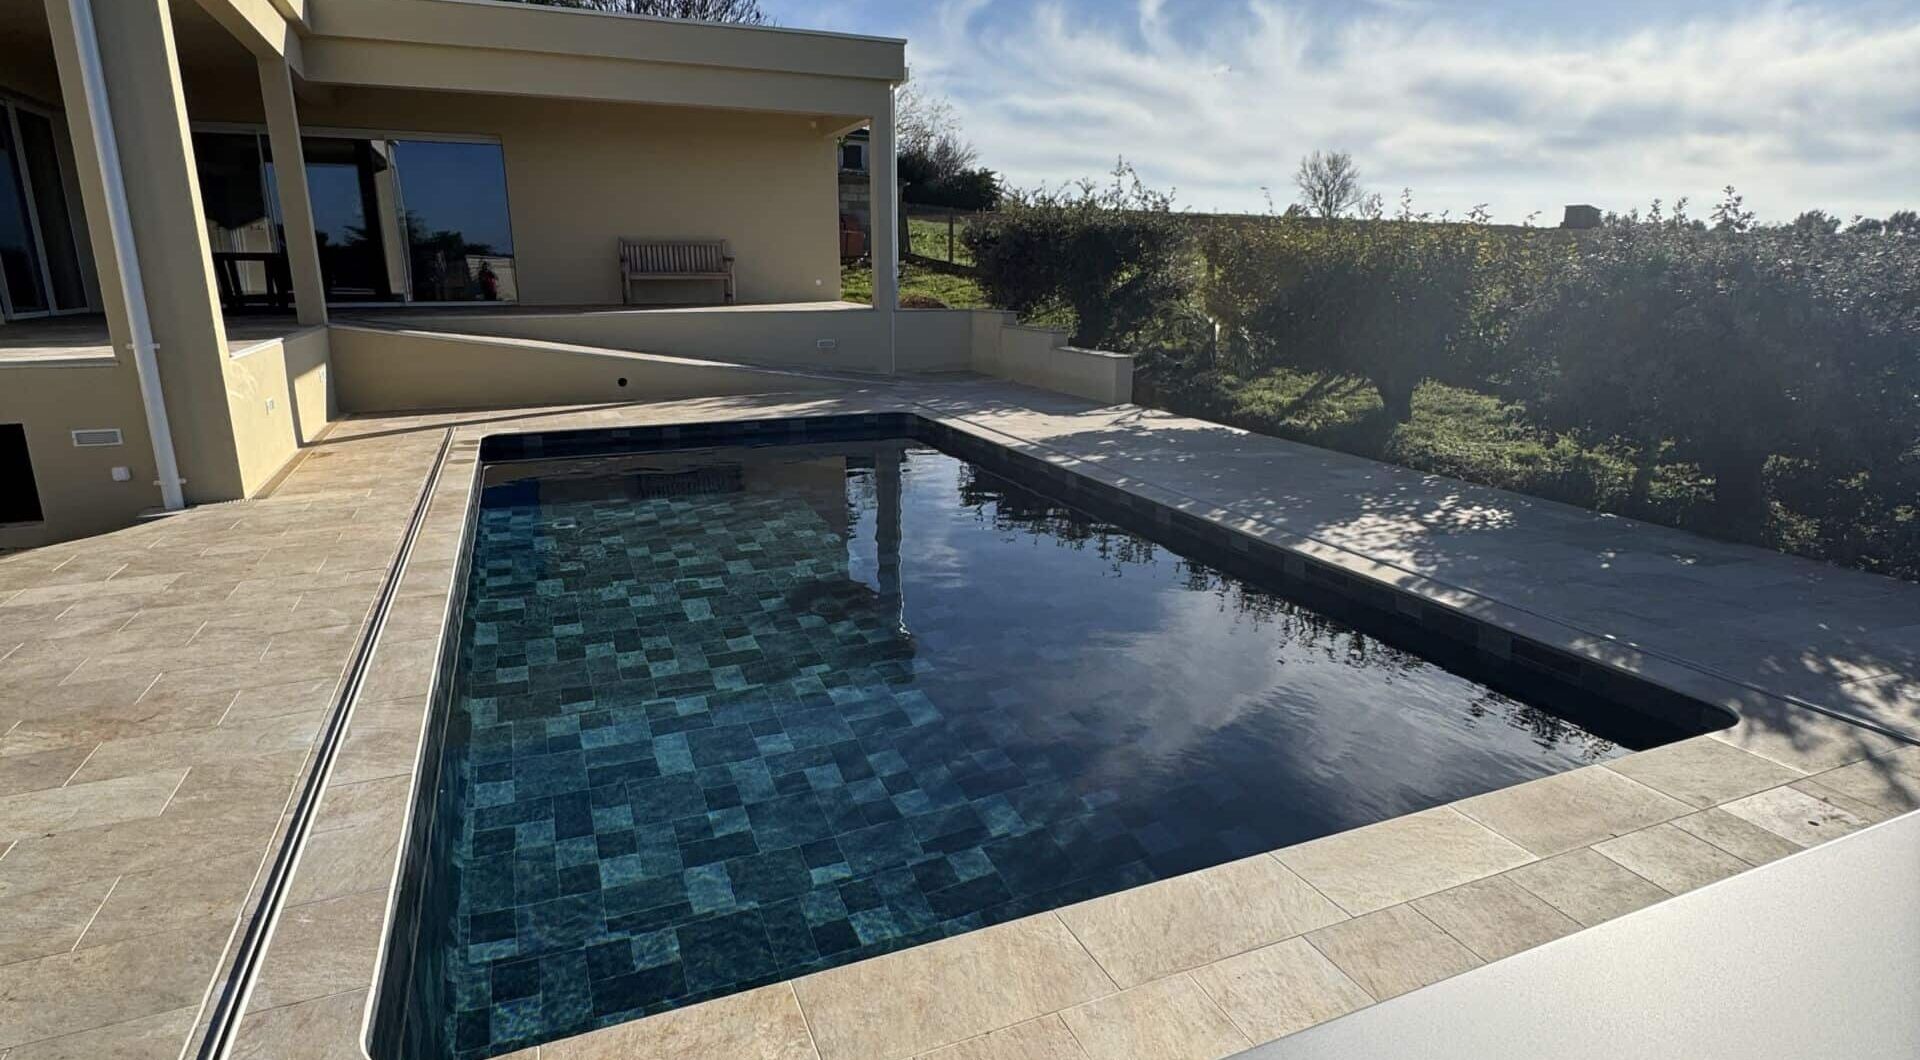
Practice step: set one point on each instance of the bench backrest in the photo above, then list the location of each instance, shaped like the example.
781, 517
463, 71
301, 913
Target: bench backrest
674, 255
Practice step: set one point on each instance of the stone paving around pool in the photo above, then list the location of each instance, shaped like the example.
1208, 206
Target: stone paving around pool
161, 687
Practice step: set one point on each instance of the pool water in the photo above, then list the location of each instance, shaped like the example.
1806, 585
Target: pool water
728, 717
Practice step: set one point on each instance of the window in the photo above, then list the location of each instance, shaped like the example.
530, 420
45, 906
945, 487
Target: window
41, 270
397, 220
19, 497
459, 244
853, 156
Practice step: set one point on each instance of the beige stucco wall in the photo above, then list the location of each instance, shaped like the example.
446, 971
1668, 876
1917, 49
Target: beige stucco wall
77, 493
280, 398
378, 370
581, 174
927, 340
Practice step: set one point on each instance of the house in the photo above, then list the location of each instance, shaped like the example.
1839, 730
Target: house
184, 311
855, 194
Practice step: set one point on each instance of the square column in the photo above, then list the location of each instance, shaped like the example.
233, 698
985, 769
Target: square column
883, 175
290, 181
147, 109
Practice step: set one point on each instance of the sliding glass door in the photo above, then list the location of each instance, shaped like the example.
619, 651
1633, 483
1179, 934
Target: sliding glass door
396, 219
41, 270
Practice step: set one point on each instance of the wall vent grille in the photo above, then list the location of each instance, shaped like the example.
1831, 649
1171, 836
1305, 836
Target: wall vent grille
88, 437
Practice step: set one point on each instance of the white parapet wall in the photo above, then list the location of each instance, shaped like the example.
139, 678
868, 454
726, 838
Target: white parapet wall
400, 370
1040, 357
826, 337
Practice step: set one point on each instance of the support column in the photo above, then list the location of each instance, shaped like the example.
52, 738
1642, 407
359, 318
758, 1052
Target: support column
883, 174
290, 179
148, 111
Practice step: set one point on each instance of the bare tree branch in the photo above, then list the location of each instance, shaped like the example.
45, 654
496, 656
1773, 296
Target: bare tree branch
1329, 184
746, 12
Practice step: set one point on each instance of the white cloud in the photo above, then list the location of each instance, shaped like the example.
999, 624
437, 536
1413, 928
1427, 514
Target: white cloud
1799, 107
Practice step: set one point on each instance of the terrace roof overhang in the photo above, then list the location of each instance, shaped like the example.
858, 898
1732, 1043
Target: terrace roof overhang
490, 47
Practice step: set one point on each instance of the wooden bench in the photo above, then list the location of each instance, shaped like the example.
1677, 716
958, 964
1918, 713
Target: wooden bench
674, 259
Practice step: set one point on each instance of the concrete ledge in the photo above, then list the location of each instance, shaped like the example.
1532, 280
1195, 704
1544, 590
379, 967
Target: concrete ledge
1041, 358
1749, 967
386, 370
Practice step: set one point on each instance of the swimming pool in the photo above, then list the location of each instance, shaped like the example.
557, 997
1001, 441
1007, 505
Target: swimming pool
725, 716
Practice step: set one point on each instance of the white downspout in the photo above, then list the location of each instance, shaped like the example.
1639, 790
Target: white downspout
132, 290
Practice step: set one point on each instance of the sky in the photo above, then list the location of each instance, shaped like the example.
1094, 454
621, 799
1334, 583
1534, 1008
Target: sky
1521, 106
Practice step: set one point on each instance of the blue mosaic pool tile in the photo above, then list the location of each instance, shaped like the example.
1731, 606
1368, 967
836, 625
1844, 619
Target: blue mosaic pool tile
696, 752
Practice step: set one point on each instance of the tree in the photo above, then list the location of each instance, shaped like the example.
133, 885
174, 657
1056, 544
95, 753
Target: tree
1329, 183
746, 12
1114, 255
936, 159
1816, 223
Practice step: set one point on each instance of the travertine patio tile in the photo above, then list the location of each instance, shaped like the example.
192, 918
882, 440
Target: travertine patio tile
273, 701
47, 921
40, 769
92, 987
1904, 759
1875, 782
225, 743
240, 789
37, 813
232, 677
346, 861
1587, 886
1148, 932
372, 751
348, 805
947, 991
1275, 990
321, 948
55, 722
1866, 811
401, 668
325, 1028
1046, 1038
1168, 1019
1568, 810
1703, 771
1403, 858
1392, 951
763, 1024
1804, 739
1676, 860
142, 586
1495, 918
1796, 816
1743, 839
209, 646
185, 892
161, 1036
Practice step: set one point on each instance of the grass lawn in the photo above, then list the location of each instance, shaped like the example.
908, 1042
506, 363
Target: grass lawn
1454, 432
956, 292
928, 237
1478, 437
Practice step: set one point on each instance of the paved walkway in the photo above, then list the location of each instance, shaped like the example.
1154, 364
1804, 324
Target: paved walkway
1839, 639
160, 690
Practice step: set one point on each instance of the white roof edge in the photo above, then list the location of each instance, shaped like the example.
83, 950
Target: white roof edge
522, 5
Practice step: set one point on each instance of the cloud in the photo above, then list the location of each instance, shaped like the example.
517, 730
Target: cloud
1798, 106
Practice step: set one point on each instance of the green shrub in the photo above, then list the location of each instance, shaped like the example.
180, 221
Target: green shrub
1392, 302
1731, 348
1112, 256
